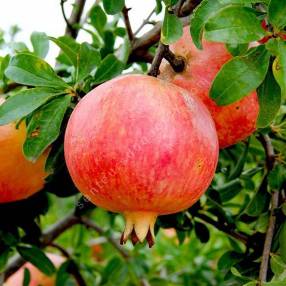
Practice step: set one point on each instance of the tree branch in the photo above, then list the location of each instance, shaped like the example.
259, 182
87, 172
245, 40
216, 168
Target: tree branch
90, 224
163, 51
239, 236
270, 163
145, 22
127, 23
71, 29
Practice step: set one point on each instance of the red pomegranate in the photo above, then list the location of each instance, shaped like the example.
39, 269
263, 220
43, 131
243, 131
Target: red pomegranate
142, 147
19, 178
234, 122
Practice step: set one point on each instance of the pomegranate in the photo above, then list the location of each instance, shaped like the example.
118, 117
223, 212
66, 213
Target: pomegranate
19, 178
37, 277
142, 147
234, 122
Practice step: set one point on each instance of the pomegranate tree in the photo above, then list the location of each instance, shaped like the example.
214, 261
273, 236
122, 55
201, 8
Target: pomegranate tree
234, 122
142, 147
19, 178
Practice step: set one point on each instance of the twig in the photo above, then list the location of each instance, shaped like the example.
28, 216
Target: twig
268, 239
270, 163
64, 14
269, 151
226, 229
90, 224
145, 22
71, 29
154, 70
127, 23
60, 249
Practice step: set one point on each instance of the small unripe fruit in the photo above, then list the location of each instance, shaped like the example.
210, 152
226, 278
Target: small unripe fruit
234, 122
142, 147
19, 178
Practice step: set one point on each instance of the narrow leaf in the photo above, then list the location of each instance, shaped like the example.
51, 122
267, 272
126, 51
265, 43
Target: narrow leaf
98, 18
68, 46
240, 76
109, 68
278, 48
44, 127
269, 95
40, 42
30, 70
88, 58
38, 258
27, 277
172, 28
25, 102
235, 25
113, 6
276, 13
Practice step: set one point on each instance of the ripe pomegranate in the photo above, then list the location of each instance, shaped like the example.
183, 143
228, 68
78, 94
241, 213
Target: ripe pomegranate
142, 147
234, 122
37, 277
19, 178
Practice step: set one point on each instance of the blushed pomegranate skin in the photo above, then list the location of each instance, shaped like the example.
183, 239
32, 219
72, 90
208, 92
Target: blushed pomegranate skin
19, 178
141, 146
37, 277
234, 122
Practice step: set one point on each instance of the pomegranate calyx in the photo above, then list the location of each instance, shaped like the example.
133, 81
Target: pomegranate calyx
139, 226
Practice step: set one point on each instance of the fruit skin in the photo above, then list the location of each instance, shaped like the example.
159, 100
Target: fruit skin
234, 122
141, 146
37, 277
19, 178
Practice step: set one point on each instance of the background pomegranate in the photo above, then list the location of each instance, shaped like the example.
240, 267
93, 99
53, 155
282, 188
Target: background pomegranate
234, 122
143, 147
19, 178
37, 277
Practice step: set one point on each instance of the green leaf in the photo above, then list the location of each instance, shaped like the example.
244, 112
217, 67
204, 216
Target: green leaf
277, 177
259, 202
3, 65
269, 96
172, 28
38, 258
276, 13
158, 8
200, 16
25, 102
88, 59
238, 168
27, 277
240, 76
229, 190
112, 7
98, 18
202, 232
40, 42
62, 274
277, 265
109, 68
234, 25
237, 49
282, 242
4, 256
30, 70
123, 52
228, 259
69, 47
278, 48
44, 127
